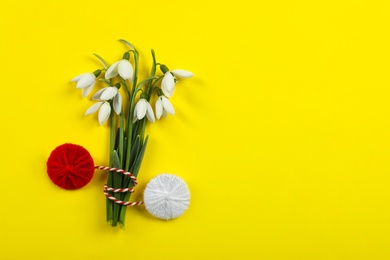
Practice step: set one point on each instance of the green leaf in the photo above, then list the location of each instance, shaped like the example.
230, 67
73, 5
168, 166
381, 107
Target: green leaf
134, 170
124, 151
115, 160
135, 130
135, 149
117, 140
137, 164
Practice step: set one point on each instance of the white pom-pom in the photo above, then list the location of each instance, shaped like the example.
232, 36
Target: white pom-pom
166, 196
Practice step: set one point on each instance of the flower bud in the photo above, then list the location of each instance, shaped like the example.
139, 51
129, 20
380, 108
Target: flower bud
143, 96
159, 92
97, 73
164, 68
126, 56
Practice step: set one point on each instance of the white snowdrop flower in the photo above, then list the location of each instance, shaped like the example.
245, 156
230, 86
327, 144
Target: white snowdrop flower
109, 93
163, 106
123, 68
106, 93
85, 81
169, 81
143, 108
104, 111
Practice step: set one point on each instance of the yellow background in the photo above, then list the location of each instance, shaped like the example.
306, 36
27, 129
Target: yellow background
283, 134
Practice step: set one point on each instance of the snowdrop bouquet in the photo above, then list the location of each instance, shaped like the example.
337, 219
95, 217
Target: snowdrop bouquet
127, 115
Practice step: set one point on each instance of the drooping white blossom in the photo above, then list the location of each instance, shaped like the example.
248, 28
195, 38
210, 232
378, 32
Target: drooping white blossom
109, 93
141, 109
123, 68
163, 106
86, 82
106, 93
169, 81
168, 84
104, 111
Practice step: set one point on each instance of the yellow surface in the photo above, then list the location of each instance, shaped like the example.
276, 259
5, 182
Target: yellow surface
283, 135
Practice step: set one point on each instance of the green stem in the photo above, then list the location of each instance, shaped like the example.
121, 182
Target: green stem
129, 129
109, 203
143, 128
135, 69
128, 126
117, 184
127, 43
112, 136
121, 137
108, 83
101, 60
134, 92
126, 87
121, 151
150, 88
117, 178
153, 87
129, 132
148, 80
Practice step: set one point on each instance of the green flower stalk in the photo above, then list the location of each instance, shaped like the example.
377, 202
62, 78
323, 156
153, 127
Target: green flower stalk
128, 122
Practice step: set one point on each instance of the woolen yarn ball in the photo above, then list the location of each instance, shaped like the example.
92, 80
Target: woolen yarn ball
166, 196
70, 166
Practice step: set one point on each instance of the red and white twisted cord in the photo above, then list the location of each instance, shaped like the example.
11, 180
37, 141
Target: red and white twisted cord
106, 188
121, 190
110, 169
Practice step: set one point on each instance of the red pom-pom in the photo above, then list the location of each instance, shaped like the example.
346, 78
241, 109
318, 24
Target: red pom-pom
70, 166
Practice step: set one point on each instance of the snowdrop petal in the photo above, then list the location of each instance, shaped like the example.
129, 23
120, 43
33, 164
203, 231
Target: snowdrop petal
86, 80
135, 118
109, 93
168, 81
93, 108
159, 108
125, 69
167, 106
88, 90
98, 94
104, 113
168, 84
149, 112
182, 73
77, 78
117, 103
112, 71
168, 94
140, 109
